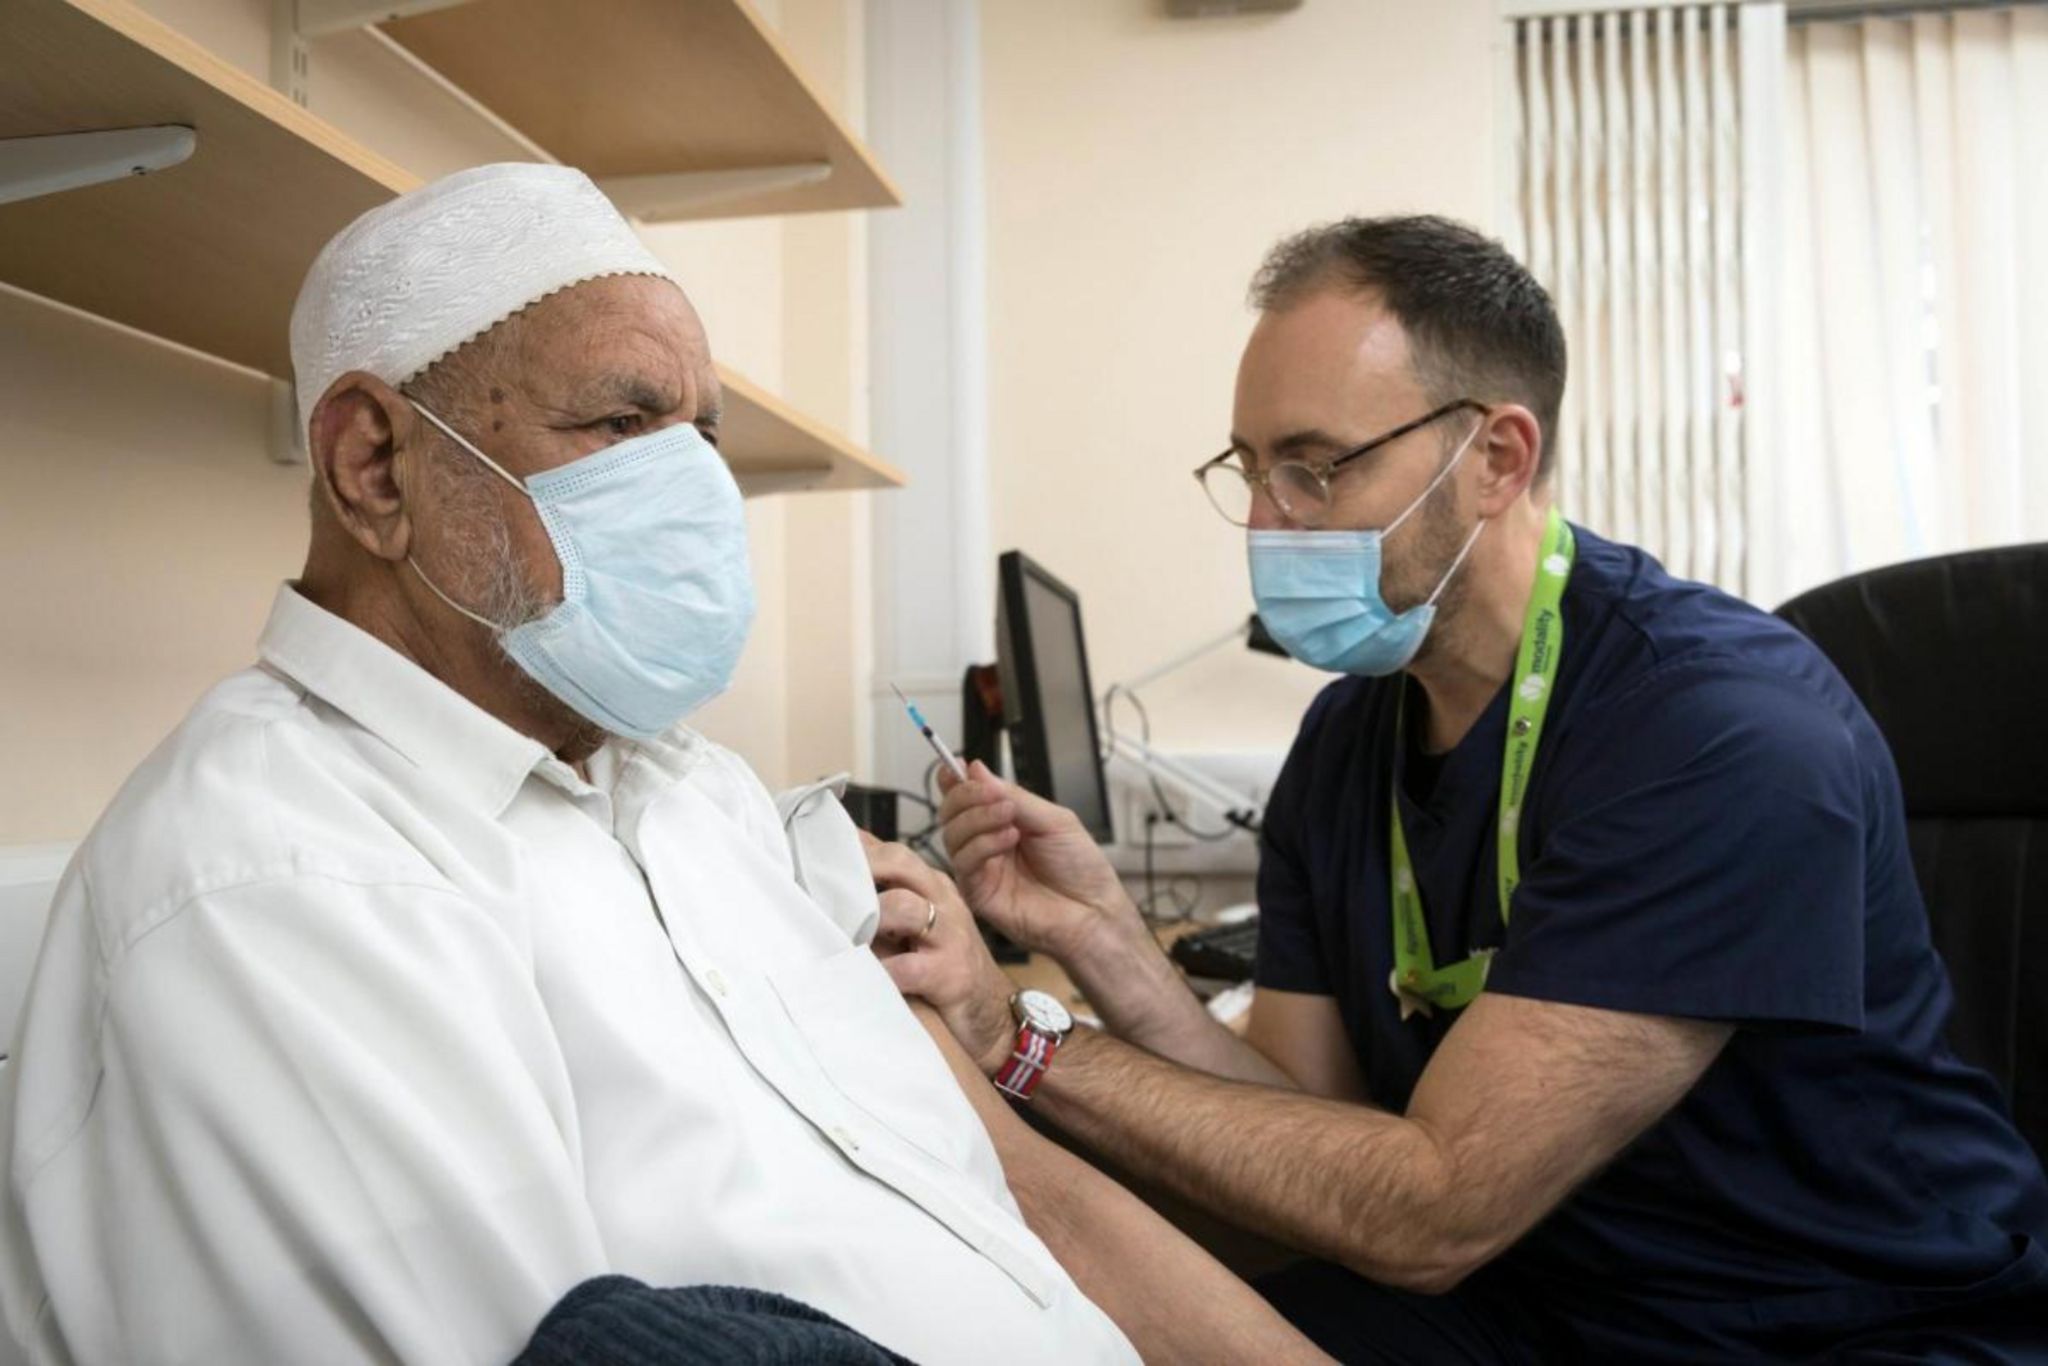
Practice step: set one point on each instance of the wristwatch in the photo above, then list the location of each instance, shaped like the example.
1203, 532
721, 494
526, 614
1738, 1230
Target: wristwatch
1042, 1025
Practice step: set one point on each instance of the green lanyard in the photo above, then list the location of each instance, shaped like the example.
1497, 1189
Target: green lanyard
1416, 980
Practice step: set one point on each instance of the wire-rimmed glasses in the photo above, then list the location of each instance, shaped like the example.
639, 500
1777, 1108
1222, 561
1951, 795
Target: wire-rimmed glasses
1298, 489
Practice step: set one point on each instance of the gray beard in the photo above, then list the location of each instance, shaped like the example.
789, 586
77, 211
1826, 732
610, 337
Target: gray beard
505, 596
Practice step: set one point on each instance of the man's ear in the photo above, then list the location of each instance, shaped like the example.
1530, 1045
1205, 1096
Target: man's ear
1511, 451
357, 430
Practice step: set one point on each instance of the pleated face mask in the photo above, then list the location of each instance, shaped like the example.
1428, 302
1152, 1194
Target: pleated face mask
1318, 592
657, 590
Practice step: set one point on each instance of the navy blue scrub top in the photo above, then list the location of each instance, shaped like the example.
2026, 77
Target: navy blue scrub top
1714, 830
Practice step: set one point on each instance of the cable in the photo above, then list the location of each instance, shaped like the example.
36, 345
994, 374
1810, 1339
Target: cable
1184, 901
922, 839
930, 851
1237, 820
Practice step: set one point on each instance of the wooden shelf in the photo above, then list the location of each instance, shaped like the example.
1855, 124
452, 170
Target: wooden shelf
773, 448
650, 87
210, 253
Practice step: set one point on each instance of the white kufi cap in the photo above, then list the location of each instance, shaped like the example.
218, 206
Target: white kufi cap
413, 279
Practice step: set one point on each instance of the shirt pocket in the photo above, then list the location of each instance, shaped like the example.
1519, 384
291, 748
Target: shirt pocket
875, 1054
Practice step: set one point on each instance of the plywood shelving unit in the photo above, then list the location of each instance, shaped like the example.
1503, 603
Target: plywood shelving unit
209, 253
634, 92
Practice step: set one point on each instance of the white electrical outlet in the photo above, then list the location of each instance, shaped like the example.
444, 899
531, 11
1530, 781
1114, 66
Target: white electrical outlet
1139, 802
1176, 852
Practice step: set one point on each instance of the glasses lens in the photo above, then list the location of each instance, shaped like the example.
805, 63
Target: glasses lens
1229, 491
1301, 496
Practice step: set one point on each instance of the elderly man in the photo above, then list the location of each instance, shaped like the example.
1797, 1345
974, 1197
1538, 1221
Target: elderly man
431, 967
1597, 1018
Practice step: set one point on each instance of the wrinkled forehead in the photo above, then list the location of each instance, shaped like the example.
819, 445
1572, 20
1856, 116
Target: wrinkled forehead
626, 341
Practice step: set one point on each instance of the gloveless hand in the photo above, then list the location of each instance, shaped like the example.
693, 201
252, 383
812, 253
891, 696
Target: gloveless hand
931, 948
1029, 868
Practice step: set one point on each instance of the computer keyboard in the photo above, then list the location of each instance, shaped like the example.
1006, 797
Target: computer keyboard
1224, 952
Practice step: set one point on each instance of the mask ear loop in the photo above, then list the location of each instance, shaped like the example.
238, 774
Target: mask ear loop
1406, 513
1452, 572
435, 589
1470, 541
496, 469
459, 439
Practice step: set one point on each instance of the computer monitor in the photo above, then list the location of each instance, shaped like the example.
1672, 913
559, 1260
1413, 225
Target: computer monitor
1048, 701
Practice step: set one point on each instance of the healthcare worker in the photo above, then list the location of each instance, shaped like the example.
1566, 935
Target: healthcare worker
1596, 1013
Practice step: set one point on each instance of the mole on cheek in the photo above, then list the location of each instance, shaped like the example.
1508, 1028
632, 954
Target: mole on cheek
497, 395
498, 425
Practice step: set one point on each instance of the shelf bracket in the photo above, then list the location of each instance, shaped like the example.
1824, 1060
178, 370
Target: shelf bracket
35, 166
294, 24
655, 198
290, 60
287, 433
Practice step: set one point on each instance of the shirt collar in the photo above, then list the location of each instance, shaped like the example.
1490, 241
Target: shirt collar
447, 737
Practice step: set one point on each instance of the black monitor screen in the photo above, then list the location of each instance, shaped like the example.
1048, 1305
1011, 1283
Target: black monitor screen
1047, 697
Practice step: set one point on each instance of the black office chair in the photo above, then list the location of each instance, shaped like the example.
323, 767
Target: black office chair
1950, 655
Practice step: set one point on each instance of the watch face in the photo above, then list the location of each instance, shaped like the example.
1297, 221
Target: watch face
1045, 1012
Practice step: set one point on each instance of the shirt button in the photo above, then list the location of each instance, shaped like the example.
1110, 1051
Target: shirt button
716, 981
845, 1139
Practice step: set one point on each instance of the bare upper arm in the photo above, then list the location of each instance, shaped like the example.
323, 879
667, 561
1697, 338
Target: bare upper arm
1526, 1099
1303, 1035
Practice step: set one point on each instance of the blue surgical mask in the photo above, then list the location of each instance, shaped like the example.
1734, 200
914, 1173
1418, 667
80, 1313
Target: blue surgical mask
657, 592
1318, 592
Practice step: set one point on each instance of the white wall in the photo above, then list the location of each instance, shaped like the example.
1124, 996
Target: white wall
143, 528
830, 626
933, 571
1137, 168
142, 531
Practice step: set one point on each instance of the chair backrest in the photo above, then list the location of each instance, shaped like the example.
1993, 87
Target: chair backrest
1950, 656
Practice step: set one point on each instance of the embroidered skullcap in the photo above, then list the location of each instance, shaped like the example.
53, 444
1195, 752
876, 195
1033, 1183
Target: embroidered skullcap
415, 278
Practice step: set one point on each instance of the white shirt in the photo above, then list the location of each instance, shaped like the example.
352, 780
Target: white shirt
364, 1029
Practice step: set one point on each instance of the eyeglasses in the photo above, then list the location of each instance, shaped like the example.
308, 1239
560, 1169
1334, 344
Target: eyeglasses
1299, 489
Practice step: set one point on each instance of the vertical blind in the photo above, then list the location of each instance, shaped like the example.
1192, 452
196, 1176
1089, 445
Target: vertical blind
1916, 324
1630, 167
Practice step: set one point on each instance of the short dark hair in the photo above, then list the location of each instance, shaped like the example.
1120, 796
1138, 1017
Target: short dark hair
1478, 324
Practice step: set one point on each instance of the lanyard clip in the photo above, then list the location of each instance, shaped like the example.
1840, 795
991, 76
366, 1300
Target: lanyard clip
1408, 991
